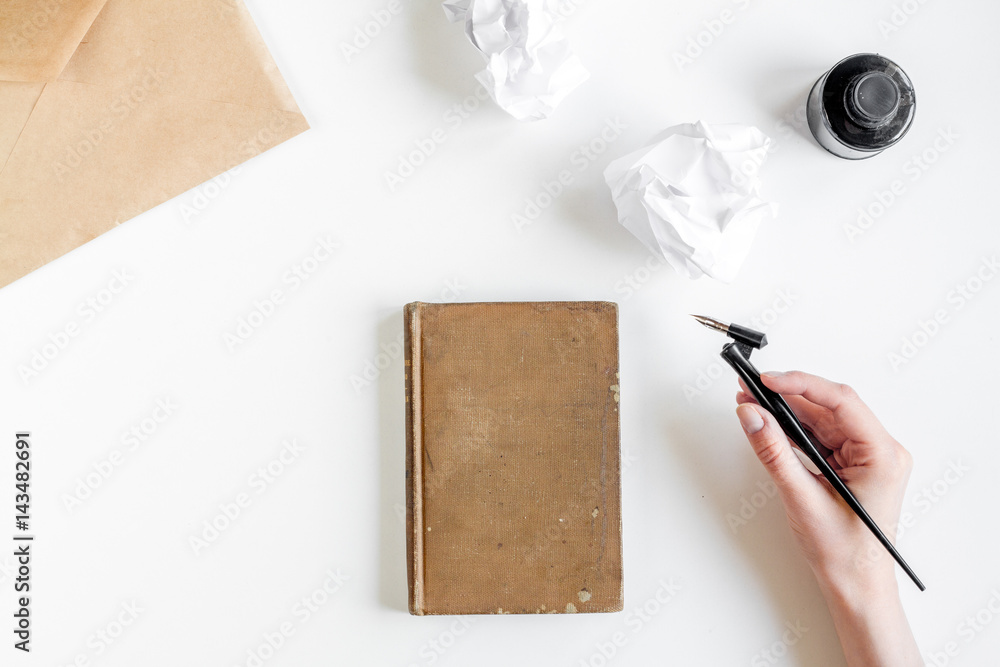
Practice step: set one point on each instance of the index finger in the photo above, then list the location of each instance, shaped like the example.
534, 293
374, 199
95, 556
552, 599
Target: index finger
819, 419
855, 419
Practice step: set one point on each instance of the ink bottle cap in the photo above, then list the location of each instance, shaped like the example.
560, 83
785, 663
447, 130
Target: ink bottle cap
863, 105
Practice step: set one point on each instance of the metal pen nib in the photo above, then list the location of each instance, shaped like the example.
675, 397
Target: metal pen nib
712, 324
750, 339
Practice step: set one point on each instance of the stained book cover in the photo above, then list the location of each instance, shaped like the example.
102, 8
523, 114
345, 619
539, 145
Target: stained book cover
513, 477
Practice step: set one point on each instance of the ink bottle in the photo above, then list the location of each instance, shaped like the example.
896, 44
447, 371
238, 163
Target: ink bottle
863, 105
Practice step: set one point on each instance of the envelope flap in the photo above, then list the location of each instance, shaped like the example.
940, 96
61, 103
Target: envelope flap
17, 100
38, 37
205, 50
161, 95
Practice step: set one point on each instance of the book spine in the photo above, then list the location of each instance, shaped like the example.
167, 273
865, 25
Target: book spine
414, 459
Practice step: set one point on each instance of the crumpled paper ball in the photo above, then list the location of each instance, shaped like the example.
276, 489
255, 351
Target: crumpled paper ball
692, 196
530, 67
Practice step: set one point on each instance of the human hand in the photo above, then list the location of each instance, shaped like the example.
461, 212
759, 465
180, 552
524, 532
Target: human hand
875, 466
854, 571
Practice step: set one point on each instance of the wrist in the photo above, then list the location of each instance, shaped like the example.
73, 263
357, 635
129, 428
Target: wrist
870, 620
856, 591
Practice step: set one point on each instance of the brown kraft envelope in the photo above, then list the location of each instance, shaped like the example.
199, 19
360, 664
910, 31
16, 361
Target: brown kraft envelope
111, 107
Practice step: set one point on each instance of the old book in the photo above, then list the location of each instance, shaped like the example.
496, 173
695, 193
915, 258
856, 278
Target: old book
513, 477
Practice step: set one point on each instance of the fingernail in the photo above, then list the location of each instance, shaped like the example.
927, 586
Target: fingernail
773, 374
750, 419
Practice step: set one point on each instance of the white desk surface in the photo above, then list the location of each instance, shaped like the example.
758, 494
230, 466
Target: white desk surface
336, 504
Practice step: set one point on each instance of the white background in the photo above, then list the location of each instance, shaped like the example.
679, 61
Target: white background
335, 506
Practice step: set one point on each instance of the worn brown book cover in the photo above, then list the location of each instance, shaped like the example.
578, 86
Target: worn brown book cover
513, 477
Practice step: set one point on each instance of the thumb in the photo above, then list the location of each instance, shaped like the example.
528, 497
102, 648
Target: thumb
775, 451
